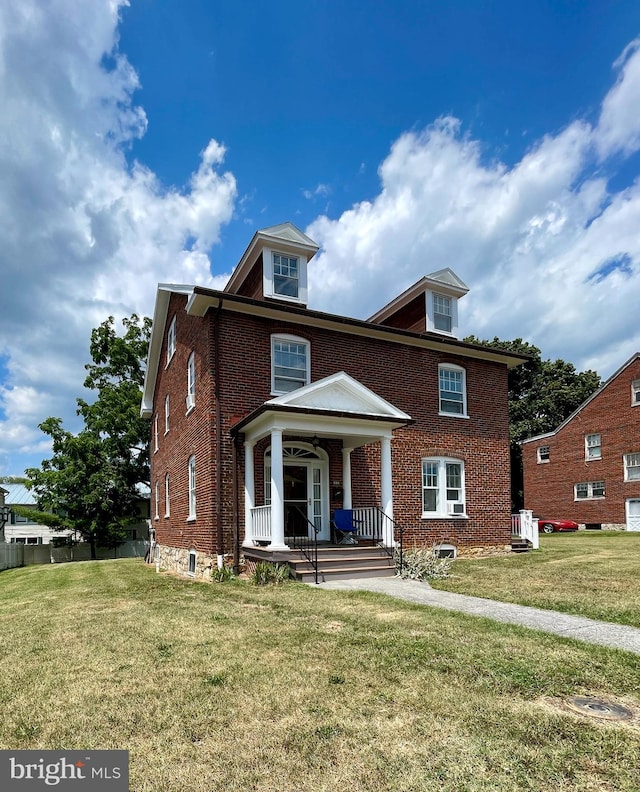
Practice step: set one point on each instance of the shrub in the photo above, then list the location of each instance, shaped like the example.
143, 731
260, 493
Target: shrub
267, 573
422, 563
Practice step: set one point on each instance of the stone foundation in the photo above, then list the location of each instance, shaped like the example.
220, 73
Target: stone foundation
176, 559
483, 552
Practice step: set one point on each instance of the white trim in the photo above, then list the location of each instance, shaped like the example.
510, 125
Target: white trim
539, 459
166, 413
589, 444
191, 491
167, 499
460, 370
444, 507
156, 513
590, 487
171, 341
284, 337
192, 555
627, 467
155, 433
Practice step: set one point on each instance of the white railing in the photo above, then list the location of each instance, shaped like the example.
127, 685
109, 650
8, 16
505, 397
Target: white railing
369, 522
525, 526
261, 523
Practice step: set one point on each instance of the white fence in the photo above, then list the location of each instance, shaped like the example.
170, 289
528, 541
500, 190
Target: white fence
17, 555
525, 525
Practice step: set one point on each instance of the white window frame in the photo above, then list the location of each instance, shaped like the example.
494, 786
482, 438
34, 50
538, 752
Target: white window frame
166, 414
593, 447
632, 463
192, 488
279, 337
171, 340
268, 280
155, 433
167, 500
543, 455
157, 499
451, 367
635, 393
589, 487
191, 383
192, 563
431, 313
445, 507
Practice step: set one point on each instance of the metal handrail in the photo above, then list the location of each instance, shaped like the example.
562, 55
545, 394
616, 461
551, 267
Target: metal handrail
391, 551
308, 547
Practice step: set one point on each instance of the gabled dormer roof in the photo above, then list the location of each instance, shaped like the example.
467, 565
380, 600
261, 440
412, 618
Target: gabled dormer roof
285, 237
444, 281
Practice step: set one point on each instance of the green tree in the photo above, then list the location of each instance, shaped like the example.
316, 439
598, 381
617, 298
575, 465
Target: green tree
542, 394
92, 479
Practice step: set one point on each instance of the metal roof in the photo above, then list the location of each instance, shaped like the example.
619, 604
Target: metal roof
18, 495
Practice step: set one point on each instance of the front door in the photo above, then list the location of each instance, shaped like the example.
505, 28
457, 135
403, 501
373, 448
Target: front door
296, 499
633, 514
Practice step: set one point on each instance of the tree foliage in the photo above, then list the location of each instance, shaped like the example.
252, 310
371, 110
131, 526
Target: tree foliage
92, 478
542, 394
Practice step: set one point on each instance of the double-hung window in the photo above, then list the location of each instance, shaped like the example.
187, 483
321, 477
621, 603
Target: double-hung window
635, 392
453, 390
285, 275
157, 499
166, 413
543, 454
167, 502
290, 363
442, 313
191, 382
632, 467
171, 340
592, 446
192, 488
443, 493
588, 490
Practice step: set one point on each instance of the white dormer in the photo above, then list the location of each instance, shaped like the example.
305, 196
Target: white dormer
430, 305
274, 266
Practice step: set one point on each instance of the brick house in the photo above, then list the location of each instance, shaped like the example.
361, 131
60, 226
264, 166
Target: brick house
266, 416
588, 469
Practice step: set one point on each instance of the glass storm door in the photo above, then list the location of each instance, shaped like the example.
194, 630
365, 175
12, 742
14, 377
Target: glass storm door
296, 500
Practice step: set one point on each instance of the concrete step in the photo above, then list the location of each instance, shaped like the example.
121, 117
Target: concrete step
346, 573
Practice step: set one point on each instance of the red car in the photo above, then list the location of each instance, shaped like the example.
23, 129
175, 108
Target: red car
549, 526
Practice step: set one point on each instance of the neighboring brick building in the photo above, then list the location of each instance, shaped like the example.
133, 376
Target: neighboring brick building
588, 469
266, 415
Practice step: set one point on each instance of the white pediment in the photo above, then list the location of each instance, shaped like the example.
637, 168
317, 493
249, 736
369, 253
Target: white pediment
340, 393
290, 233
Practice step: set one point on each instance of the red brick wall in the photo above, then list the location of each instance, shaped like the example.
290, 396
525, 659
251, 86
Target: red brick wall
549, 486
406, 377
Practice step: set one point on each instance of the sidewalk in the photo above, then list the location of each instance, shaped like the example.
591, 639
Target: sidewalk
616, 636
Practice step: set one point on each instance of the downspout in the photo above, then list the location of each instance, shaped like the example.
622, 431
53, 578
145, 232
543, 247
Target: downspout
236, 518
216, 394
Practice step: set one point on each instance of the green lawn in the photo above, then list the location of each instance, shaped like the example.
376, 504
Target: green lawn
590, 573
232, 687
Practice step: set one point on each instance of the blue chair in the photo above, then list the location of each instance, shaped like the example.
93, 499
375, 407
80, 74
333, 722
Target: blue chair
345, 526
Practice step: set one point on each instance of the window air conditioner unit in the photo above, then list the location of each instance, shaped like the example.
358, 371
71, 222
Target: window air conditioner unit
455, 508
191, 401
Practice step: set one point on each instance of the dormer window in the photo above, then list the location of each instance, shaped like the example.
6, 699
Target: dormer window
442, 313
285, 275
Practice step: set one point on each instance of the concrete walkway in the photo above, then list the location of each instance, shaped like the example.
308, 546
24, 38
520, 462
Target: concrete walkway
616, 636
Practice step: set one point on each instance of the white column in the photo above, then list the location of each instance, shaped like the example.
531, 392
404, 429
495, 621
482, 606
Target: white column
277, 493
386, 491
249, 494
346, 478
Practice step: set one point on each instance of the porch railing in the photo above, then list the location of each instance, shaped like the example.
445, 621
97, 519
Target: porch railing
370, 521
525, 526
261, 523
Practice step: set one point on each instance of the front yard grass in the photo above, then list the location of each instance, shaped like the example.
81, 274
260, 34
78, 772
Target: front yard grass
589, 573
235, 687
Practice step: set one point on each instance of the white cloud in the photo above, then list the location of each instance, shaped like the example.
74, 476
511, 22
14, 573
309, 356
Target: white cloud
83, 234
526, 238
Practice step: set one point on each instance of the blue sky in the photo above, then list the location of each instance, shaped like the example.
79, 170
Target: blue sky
147, 142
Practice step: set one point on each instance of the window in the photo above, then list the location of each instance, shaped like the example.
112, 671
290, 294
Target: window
453, 397
442, 314
589, 489
167, 506
290, 363
166, 413
632, 467
155, 432
443, 488
592, 446
635, 393
171, 340
191, 382
543, 454
285, 275
192, 488
157, 499
192, 563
